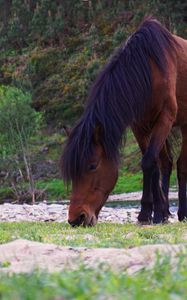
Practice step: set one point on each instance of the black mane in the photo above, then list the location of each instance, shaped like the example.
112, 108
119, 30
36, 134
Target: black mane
118, 97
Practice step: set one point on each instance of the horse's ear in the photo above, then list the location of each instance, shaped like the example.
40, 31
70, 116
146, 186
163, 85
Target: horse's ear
66, 130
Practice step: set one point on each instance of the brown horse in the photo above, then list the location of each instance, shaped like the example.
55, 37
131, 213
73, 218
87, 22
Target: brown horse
143, 86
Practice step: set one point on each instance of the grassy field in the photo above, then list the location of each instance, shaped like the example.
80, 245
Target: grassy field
163, 282
103, 235
127, 182
86, 284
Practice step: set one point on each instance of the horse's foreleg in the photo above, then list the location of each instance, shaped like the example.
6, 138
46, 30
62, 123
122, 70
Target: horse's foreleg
160, 202
182, 176
145, 215
150, 163
166, 163
152, 191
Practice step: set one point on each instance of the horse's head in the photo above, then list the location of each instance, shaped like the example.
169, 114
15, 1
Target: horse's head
91, 190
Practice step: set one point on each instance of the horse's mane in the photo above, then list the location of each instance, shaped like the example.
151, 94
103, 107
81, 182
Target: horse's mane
118, 97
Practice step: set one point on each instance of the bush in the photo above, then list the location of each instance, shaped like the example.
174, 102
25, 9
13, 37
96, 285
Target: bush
18, 124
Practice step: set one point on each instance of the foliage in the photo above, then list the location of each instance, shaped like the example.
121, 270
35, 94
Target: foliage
59, 85
66, 44
55, 49
47, 21
23, 22
18, 123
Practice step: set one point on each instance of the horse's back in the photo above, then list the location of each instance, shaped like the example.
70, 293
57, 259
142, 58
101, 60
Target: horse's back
170, 91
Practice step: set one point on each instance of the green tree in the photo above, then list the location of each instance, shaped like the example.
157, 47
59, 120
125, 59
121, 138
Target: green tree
19, 122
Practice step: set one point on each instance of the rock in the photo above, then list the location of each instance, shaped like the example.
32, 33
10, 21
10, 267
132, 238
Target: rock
58, 213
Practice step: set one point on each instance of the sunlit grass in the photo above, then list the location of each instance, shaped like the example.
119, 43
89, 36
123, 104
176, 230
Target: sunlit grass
103, 235
164, 281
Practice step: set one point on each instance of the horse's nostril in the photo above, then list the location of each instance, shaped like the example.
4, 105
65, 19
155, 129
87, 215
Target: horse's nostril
78, 221
71, 223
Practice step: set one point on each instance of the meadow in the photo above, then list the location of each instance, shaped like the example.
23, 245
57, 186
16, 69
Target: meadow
51, 52
164, 281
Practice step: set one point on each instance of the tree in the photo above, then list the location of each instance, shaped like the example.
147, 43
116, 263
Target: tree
18, 124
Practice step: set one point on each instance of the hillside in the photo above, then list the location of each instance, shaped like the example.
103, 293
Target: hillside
53, 50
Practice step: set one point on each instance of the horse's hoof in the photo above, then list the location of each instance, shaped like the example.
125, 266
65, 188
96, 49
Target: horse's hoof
171, 215
144, 217
160, 217
182, 216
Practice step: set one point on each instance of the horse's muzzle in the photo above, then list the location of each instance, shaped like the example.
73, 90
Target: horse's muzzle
84, 220
78, 221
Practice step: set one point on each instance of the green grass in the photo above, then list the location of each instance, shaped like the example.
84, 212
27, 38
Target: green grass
56, 190
103, 235
163, 282
127, 182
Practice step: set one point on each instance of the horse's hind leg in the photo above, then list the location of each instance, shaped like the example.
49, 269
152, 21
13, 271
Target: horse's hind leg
182, 176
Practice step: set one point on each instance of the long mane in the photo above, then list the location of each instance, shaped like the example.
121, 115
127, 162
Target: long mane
118, 97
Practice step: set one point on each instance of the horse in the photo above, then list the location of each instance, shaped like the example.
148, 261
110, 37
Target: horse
143, 86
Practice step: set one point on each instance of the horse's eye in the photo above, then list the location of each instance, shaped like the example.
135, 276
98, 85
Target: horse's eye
92, 167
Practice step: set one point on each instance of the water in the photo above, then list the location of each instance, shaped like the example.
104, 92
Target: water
133, 204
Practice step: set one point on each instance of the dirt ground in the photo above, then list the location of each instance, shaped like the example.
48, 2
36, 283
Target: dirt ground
23, 256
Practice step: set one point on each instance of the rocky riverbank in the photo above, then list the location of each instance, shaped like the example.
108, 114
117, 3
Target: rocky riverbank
58, 213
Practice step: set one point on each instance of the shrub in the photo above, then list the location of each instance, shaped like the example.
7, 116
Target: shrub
18, 124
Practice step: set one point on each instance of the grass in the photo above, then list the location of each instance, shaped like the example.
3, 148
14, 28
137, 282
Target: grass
127, 182
55, 189
103, 235
163, 282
